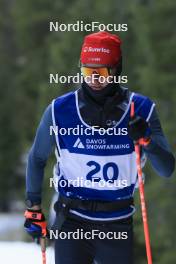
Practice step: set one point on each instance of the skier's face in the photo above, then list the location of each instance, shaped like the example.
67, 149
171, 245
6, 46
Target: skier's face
98, 77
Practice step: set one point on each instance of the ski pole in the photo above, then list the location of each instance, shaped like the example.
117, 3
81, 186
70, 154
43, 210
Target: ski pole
43, 249
142, 196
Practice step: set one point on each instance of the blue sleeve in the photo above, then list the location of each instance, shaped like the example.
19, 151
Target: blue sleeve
38, 155
158, 151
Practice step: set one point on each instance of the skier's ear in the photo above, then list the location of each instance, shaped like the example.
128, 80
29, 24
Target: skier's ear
119, 67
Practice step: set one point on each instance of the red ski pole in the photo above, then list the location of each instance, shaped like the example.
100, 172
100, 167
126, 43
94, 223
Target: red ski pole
142, 197
43, 249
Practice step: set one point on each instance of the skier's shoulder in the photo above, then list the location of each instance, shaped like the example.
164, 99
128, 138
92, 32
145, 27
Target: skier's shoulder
47, 115
144, 106
136, 97
64, 98
141, 99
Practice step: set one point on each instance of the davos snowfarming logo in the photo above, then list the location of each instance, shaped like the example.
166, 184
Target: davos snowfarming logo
90, 49
78, 144
100, 144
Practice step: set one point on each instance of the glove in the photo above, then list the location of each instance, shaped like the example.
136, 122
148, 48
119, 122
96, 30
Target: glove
35, 224
139, 129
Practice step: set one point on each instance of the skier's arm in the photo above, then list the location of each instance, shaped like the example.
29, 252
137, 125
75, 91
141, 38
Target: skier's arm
158, 151
38, 155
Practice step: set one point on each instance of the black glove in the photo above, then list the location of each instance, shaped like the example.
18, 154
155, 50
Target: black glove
138, 128
35, 224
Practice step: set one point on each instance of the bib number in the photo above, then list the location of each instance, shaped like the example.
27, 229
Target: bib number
109, 171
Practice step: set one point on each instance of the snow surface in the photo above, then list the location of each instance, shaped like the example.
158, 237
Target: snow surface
23, 253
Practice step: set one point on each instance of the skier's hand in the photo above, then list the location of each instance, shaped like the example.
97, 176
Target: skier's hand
138, 129
35, 224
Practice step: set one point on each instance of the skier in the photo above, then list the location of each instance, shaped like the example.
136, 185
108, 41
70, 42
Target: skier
100, 159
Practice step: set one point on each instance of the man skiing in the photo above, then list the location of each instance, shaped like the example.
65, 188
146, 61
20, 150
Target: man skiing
104, 159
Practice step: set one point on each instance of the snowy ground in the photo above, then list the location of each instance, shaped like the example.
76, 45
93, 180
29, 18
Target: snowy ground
23, 253
12, 248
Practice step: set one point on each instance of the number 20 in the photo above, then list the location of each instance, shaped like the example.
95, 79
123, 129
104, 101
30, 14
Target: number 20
91, 175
